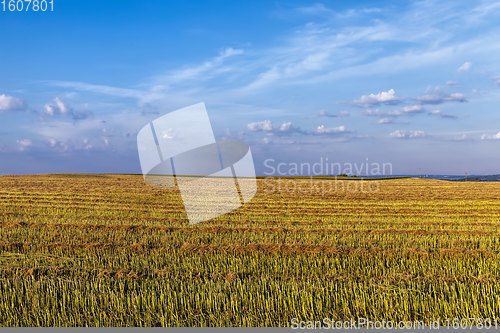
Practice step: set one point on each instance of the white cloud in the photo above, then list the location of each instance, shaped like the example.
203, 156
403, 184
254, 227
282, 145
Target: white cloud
10, 103
386, 121
407, 110
465, 67
86, 144
321, 129
404, 134
60, 145
56, 107
289, 128
373, 113
491, 137
265, 125
66, 145
384, 97
52, 142
285, 127
451, 83
59, 107
24, 144
270, 128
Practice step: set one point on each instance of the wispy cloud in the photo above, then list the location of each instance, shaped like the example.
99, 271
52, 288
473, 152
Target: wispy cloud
60, 135
461, 138
404, 134
323, 51
373, 113
141, 95
390, 120
386, 121
439, 98
465, 67
316, 9
206, 70
339, 114
407, 110
443, 114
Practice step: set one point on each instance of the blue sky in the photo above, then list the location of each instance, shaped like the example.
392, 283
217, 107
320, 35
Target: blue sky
415, 84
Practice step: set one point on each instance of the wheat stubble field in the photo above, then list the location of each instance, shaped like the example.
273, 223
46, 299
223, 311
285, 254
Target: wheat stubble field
109, 250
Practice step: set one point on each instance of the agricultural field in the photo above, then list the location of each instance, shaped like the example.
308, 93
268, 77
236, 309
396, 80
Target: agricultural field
109, 250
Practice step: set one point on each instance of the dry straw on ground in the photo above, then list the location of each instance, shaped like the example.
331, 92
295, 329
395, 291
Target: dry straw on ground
108, 250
